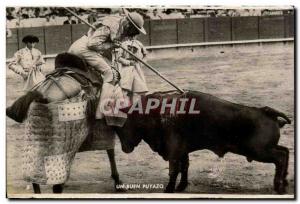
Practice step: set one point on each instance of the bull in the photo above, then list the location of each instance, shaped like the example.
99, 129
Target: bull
221, 126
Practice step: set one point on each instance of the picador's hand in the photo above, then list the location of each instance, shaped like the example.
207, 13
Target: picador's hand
132, 62
116, 44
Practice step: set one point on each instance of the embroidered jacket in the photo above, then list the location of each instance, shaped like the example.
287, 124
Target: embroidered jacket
25, 59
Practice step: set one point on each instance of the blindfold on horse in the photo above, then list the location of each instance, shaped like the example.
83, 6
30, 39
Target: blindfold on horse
71, 75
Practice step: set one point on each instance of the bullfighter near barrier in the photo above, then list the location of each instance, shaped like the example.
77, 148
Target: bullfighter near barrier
187, 102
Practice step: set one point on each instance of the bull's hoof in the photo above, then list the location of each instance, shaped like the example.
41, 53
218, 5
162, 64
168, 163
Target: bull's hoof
280, 188
285, 182
182, 186
169, 189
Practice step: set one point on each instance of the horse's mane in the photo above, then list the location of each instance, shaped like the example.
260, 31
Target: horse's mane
66, 59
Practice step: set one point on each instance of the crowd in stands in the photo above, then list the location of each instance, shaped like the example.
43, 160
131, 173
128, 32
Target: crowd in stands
48, 16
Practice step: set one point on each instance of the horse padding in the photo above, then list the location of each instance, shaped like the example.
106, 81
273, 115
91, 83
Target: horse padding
50, 145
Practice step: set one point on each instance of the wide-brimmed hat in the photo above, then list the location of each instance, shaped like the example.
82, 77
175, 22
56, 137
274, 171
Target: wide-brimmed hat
137, 20
30, 39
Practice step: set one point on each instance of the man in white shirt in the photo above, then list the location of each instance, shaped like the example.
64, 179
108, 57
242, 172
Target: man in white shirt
27, 62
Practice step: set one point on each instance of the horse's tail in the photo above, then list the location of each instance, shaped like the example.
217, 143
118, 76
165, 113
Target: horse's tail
18, 110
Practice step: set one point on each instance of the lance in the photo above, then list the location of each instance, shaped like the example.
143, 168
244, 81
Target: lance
132, 54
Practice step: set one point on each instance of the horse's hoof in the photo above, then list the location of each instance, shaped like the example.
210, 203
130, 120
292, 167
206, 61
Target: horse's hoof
181, 187
58, 188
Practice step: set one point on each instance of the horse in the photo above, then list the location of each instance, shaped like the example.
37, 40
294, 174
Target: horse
70, 77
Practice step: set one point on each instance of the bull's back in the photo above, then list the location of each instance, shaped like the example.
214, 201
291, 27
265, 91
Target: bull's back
221, 126
222, 123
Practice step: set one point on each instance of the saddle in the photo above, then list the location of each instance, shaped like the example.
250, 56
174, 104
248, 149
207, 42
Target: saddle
76, 67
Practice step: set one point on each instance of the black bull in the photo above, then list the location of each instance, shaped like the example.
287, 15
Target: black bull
221, 127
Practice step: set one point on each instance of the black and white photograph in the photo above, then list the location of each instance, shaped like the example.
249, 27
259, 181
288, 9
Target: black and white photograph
150, 102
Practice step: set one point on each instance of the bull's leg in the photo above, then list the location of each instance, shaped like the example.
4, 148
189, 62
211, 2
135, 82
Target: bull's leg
173, 173
286, 150
184, 166
36, 188
280, 158
57, 188
281, 170
113, 167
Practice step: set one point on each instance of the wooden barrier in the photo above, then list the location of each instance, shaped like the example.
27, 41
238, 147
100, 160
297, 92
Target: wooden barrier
217, 29
271, 27
245, 28
163, 32
190, 30
145, 39
78, 30
289, 22
12, 44
55, 39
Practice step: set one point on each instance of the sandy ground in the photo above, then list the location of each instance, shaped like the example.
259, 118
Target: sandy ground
256, 76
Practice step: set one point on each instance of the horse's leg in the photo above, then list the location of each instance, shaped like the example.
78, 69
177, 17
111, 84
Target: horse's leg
184, 166
57, 188
36, 188
173, 173
113, 166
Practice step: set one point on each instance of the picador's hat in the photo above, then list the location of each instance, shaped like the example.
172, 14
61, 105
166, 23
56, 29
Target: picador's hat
137, 20
30, 39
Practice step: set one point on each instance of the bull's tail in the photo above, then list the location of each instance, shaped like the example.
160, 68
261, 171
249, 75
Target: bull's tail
275, 113
18, 110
